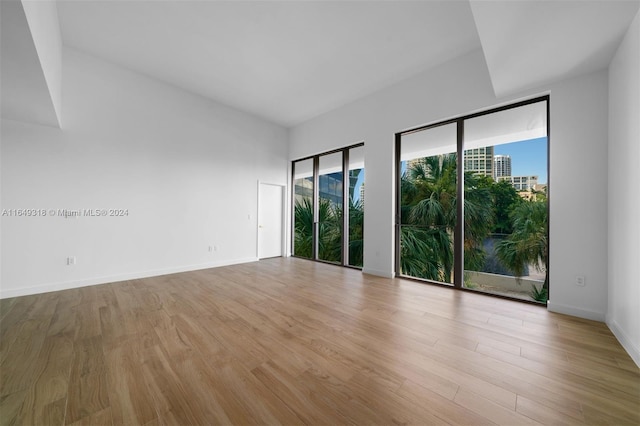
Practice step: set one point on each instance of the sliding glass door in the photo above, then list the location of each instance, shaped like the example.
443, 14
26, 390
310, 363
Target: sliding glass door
480, 223
356, 207
428, 198
328, 210
330, 207
506, 232
303, 217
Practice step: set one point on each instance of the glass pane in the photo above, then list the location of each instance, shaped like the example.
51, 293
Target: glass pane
505, 210
303, 208
428, 203
330, 197
356, 205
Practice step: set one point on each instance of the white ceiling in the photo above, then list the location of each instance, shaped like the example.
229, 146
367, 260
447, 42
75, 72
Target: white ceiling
508, 126
25, 95
286, 61
529, 43
289, 61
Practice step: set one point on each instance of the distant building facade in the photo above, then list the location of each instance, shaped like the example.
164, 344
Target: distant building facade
521, 183
330, 188
479, 160
303, 189
501, 166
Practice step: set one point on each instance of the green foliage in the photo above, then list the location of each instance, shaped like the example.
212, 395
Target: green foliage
429, 208
539, 294
356, 232
478, 219
505, 199
303, 228
467, 281
329, 231
428, 218
426, 253
528, 244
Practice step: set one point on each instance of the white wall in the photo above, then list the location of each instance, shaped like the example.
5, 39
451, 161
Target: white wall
578, 148
42, 17
578, 219
185, 168
623, 316
26, 94
375, 119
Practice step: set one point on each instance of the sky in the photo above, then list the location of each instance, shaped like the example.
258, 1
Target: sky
359, 182
527, 157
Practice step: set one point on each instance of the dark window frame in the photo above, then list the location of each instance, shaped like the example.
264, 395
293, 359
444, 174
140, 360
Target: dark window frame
316, 191
458, 269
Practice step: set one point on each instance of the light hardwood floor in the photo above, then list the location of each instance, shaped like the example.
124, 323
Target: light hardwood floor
289, 341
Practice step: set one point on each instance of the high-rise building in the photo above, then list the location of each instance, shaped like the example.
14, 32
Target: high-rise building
362, 193
521, 183
479, 160
330, 188
353, 180
501, 166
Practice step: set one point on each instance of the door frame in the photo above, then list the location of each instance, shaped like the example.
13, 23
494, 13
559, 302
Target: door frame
283, 232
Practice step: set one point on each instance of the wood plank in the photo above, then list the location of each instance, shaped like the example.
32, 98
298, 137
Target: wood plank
544, 414
88, 389
493, 412
171, 395
285, 387
10, 408
289, 341
128, 393
45, 400
99, 418
443, 408
20, 366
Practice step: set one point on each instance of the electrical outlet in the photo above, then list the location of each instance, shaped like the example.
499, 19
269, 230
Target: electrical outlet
210, 248
71, 260
580, 280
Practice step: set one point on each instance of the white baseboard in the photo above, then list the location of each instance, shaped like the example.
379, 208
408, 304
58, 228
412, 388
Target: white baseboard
632, 348
66, 285
385, 274
576, 312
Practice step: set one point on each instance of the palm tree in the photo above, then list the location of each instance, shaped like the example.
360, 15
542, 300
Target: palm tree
356, 232
479, 217
528, 243
329, 230
426, 253
303, 228
429, 208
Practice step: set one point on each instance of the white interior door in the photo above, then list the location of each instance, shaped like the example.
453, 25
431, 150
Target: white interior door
270, 217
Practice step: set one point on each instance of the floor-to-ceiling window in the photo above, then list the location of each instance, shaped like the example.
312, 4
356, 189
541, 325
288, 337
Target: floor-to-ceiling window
328, 206
481, 223
303, 197
428, 199
356, 206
